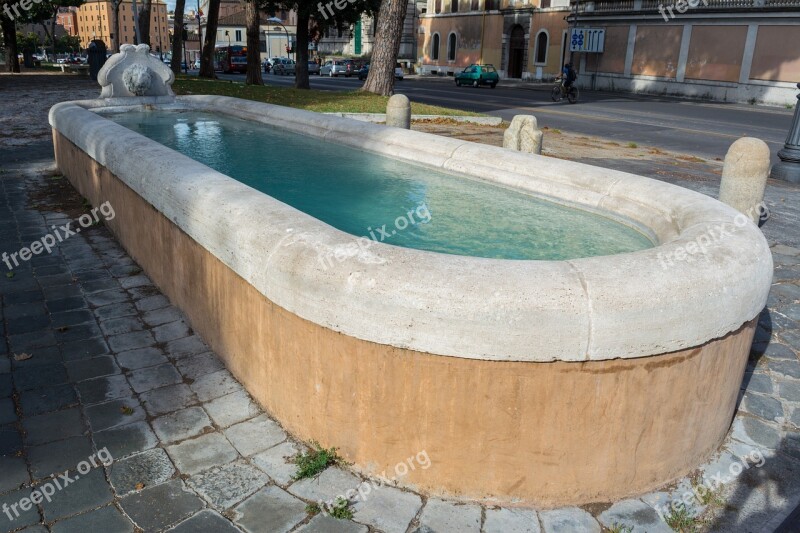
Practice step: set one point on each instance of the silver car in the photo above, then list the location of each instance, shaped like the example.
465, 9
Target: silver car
334, 68
283, 67
313, 67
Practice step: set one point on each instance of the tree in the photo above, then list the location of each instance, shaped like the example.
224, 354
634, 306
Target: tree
178, 30
388, 34
144, 22
207, 57
10, 43
313, 17
48, 12
253, 16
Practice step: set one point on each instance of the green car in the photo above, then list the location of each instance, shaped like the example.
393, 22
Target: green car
477, 75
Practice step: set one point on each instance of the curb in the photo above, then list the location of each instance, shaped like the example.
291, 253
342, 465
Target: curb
381, 117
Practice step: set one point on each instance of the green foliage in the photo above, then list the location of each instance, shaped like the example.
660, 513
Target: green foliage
619, 528
311, 463
341, 509
28, 43
681, 520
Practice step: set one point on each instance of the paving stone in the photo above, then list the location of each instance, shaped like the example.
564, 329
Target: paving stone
172, 331
6, 386
22, 517
228, 485
786, 367
782, 249
207, 521
13, 473
766, 407
55, 457
125, 440
122, 325
83, 349
104, 389
149, 468
57, 292
204, 452
634, 514
161, 506
46, 399
329, 524
327, 486
92, 367
66, 304
131, 341
145, 291
167, 399
8, 412
161, 316
108, 312
795, 418
568, 519
779, 351
789, 390
106, 520
28, 324
34, 377
10, 440
255, 435
755, 432
85, 492
5, 364
511, 521
439, 515
385, 508
182, 425
134, 281
72, 318
277, 462
54, 426
152, 302
78, 333
232, 408
215, 385
757, 382
100, 299
154, 377
270, 509
141, 358
114, 413
186, 347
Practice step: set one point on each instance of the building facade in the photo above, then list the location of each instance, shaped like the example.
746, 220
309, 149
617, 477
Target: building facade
273, 37
728, 50
67, 18
95, 21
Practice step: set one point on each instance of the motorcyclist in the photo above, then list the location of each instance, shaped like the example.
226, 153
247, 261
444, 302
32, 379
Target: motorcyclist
568, 76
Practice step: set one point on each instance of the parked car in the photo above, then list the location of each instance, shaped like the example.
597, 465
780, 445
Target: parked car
477, 75
284, 67
350, 67
334, 67
364, 72
313, 68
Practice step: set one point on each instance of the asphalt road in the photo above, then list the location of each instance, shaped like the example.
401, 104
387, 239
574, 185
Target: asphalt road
701, 128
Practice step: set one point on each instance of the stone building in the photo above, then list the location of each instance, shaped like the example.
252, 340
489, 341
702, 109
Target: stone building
95, 22
729, 50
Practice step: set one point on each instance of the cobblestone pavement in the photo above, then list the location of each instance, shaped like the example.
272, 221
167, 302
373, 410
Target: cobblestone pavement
94, 358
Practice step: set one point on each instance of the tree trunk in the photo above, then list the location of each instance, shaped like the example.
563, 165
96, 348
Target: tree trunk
144, 22
301, 51
10, 42
177, 37
388, 34
115, 25
207, 57
53, 30
253, 21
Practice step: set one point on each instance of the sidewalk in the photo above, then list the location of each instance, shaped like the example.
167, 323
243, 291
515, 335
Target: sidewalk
94, 357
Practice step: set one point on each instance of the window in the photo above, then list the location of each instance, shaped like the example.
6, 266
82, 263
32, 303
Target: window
435, 47
454, 6
451, 47
437, 6
540, 56
238, 35
475, 5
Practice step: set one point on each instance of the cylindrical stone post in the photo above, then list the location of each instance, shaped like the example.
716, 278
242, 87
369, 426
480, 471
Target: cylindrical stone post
398, 111
744, 176
788, 168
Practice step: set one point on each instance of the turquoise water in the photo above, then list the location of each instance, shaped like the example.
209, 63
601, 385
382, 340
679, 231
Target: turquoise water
384, 199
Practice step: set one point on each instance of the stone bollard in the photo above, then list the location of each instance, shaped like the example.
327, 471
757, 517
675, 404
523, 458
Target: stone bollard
398, 112
744, 176
523, 135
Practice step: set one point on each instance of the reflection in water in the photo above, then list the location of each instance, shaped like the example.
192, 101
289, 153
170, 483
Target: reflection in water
369, 195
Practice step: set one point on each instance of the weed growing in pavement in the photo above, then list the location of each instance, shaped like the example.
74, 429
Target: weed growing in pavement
680, 519
619, 528
341, 509
313, 508
633, 145
311, 463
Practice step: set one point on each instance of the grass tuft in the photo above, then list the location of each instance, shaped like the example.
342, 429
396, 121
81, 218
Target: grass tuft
311, 463
341, 509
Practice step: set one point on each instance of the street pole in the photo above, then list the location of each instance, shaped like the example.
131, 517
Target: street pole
199, 33
574, 25
788, 169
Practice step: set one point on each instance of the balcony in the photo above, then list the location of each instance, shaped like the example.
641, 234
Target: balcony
629, 6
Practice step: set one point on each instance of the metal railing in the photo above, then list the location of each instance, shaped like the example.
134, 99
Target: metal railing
610, 6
